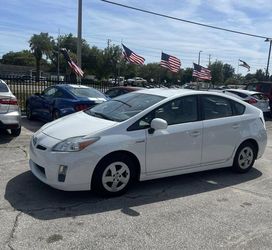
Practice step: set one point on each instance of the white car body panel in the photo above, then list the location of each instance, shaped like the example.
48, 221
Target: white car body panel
182, 150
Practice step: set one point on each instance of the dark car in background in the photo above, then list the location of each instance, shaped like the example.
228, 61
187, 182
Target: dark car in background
60, 100
117, 91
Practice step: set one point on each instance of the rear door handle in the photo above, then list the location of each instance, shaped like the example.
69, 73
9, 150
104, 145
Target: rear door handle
195, 133
235, 125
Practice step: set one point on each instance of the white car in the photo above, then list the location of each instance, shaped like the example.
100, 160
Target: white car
254, 98
10, 114
147, 134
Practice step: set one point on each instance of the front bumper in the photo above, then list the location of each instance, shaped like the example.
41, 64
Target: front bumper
45, 164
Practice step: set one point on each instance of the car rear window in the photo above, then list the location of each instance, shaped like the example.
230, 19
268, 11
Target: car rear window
3, 87
242, 95
86, 92
259, 96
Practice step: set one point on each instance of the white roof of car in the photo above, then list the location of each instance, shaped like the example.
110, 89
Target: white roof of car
77, 86
166, 92
247, 92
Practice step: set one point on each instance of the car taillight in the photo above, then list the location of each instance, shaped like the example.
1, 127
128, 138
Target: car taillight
80, 107
251, 101
9, 101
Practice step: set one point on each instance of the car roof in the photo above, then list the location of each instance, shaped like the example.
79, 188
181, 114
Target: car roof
67, 85
243, 91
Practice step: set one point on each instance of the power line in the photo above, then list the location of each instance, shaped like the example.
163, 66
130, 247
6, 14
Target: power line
184, 20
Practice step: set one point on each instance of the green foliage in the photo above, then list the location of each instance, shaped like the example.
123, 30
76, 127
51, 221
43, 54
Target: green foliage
22, 58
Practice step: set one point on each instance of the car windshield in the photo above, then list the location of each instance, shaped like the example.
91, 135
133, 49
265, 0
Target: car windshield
124, 107
3, 87
86, 92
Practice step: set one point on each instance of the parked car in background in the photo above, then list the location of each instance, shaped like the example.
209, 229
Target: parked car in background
60, 100
148, 134
116, 91
257, 99
136, 81
10, 114
263, 87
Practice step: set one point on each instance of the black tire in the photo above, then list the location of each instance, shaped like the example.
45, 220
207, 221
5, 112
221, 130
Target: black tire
29, 115
16, 131
102, 170
245, 157
55, 114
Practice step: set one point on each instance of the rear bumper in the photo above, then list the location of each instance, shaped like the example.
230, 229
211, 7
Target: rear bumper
11, 120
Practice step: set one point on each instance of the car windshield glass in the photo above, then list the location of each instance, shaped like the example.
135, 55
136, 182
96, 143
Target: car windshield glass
86, 92
124, 107
3, 87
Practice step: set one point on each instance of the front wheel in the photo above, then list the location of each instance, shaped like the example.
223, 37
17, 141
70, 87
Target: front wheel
16, 132
244, 158
113, 176
29, 115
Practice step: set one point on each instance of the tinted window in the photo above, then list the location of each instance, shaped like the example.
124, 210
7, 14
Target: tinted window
112, 93
238, 108
50, 92
86, 92
216, 107
3, 87
178, 111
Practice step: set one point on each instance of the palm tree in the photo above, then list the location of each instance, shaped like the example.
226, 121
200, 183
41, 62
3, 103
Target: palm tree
40, 45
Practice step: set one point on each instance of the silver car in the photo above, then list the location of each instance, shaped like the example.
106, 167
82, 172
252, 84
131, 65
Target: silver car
10, 114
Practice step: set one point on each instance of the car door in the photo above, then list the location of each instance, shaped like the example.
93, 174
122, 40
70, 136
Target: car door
221, 129
178, 146
47, 100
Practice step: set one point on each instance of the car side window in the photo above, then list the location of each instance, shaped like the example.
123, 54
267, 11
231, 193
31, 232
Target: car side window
59, 94
50, 92
112, 93
238, 108
216, 107
177, 111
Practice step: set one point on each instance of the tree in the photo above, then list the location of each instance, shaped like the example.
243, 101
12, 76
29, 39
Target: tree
228, 72
216, 72
22, 58
40, 45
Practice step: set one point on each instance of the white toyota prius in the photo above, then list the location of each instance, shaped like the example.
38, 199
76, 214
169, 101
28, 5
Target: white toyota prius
144, 135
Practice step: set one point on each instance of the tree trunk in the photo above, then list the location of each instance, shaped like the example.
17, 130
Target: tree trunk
38, 66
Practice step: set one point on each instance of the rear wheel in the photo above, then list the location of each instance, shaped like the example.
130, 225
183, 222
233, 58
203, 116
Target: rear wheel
245, 157
16, 132
113, 176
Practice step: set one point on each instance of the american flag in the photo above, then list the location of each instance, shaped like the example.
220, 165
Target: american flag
76, 69
201, 72
130, 56
244, 64
170, 62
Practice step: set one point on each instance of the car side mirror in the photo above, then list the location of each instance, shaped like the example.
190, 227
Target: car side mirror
37, 94
157, 124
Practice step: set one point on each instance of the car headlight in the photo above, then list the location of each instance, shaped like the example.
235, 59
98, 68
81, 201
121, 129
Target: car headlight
74, 144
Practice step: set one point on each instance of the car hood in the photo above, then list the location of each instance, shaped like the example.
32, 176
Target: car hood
77, 124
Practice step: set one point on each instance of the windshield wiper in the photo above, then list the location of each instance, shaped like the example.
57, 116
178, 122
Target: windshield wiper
101, 115
122, 102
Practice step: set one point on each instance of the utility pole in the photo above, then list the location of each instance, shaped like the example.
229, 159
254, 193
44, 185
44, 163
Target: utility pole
58, 54
79, 33
209, 59
108, 42
268, 59
199, 56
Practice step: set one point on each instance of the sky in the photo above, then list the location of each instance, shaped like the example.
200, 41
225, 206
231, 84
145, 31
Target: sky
148, 35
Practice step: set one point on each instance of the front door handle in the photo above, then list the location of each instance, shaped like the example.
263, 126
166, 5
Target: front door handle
235, 125
195, 133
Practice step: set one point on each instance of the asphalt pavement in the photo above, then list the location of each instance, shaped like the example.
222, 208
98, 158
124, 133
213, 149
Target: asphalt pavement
215, 209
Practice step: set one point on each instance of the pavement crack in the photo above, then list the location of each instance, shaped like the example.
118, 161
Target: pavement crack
12, 233
18, 147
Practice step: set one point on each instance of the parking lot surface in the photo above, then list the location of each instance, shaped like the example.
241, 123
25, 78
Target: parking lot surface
210, 210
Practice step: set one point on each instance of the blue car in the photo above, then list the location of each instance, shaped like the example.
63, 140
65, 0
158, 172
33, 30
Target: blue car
60, 100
